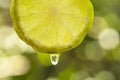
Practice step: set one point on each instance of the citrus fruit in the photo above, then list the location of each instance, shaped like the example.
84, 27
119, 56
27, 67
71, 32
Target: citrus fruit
52, 26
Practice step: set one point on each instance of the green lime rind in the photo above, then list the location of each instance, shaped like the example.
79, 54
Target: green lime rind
45, 49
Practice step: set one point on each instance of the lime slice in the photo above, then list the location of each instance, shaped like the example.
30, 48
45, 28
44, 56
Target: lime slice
52, 26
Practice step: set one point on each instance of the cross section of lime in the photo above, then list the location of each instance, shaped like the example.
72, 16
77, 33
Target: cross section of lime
52, 25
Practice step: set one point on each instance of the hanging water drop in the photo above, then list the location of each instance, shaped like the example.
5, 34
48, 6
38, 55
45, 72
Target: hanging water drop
54, 58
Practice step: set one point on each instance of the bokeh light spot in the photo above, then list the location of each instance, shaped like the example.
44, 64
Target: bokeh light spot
94, 52
109, 39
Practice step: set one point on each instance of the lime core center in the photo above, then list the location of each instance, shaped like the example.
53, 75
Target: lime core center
54, 11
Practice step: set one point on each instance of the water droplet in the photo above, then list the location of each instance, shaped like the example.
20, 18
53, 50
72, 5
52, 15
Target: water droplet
54, 58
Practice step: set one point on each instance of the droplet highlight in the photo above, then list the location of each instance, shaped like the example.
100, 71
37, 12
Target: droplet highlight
54, 58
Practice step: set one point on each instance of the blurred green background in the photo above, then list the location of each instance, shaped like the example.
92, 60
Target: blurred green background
97, 58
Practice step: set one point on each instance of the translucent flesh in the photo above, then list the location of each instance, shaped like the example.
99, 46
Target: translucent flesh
51, 24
